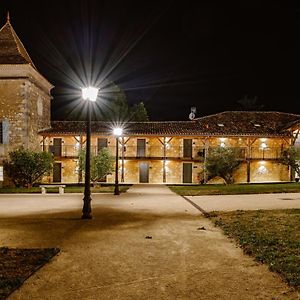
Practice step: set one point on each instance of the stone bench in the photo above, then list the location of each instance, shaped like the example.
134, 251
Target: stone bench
60, 187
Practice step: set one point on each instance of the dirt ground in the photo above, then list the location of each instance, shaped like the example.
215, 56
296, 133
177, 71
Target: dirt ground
146, 244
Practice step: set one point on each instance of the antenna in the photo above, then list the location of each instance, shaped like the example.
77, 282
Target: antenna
192, 114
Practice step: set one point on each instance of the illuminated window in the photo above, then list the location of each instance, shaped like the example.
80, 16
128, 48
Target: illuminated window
220, 124
1, 173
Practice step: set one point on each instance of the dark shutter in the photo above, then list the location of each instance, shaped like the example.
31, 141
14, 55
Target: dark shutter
141, 147
102, 143
5, 132
187, 148
1, 133
187, 172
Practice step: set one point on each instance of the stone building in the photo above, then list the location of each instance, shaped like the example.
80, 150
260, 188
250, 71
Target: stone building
24, 96
175, 152
154, 152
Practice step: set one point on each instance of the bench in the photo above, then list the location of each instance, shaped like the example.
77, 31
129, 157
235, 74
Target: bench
60, 187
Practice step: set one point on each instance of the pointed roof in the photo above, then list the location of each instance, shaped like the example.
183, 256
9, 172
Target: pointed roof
12, 51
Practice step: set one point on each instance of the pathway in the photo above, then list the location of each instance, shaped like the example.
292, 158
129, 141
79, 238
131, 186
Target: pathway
145, 244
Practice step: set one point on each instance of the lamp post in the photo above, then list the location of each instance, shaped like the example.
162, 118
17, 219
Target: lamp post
90, 94
117, 132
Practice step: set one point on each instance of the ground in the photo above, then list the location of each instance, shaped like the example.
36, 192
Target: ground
145, 244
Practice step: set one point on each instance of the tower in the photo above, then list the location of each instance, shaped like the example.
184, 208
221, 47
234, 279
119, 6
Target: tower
24, 96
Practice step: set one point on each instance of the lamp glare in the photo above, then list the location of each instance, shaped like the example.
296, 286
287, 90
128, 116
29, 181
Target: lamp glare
118, 131
90, 93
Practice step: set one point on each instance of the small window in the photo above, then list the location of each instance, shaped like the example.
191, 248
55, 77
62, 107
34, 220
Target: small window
1, 173
1, 133
40, 106
220, 124
257, 125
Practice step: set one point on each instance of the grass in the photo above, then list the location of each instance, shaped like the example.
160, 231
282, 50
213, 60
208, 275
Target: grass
16, 265
218, 189
107, 188
272, 237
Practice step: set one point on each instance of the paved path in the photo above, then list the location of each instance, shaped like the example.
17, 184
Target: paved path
109, 257
247, 202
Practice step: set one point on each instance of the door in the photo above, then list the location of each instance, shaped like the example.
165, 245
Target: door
141, 148
57, 147
187, 148
187, 173
102, 143
57, 172
144, 172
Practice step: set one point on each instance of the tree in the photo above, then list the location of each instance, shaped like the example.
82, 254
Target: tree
26, 167
290, 157
222, 162
139, 112
101, 164
250, 104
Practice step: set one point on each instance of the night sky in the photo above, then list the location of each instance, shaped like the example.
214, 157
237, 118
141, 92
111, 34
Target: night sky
171, 55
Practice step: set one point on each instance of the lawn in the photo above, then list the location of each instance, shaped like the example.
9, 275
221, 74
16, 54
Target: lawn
271, 237
219, 189
106, 188
16, 265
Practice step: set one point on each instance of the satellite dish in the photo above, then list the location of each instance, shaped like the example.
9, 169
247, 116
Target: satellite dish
192, 116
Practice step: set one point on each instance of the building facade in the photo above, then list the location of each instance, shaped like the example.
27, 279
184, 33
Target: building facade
24, 97
149, 152
175, 152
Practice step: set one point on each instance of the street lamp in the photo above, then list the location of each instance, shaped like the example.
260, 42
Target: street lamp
90, 94
117, 132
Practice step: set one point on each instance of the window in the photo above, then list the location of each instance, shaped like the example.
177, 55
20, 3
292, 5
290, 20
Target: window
220, 124
1, 173
4, 132
1, 133
40, 106
102, 143
187, 148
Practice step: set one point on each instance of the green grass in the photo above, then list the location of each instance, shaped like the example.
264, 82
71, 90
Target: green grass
272, 237
218, 189
106, 188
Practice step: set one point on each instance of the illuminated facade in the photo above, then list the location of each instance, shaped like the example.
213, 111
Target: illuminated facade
175, 152
154, 152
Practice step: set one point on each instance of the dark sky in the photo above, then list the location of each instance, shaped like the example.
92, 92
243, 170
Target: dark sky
170, 54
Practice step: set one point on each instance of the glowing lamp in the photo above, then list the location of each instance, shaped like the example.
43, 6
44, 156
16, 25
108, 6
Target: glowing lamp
118, 131
90, 93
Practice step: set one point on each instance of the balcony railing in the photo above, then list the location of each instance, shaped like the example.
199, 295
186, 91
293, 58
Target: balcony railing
266, 153
158, 152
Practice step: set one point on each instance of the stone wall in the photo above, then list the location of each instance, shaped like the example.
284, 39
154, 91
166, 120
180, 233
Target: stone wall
260, 170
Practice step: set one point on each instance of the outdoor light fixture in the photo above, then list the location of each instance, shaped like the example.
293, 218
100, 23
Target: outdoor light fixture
90, 94
263, 145
117, 132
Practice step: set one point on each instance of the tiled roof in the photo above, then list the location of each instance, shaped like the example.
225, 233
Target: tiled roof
130, 128
248, 122
12, 51
234, 123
